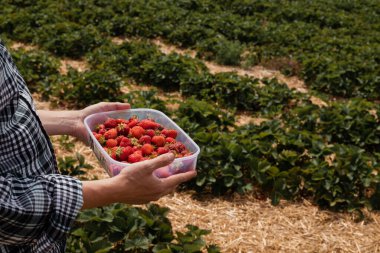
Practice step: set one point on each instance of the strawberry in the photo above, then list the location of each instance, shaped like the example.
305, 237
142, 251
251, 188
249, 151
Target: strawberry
147, 149
138, 151
172, 133
101, 139
158, 140
132, 122
178, 147
122, 129
124, 121
102, 131
124, 153
110, 143
145, 139
111, 134
169, 133
97, 136
170, 140
113, 152
124, 142
137, 131
119, 138
148, 124
185, 153
134, 158
150, 132
110, 123
98, 127
162, 150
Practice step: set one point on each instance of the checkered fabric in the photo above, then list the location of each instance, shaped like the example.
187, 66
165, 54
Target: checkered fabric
37, 205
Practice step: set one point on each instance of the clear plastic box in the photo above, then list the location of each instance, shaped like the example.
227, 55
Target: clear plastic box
114, 167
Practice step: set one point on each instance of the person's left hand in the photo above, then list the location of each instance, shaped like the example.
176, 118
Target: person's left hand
81, 132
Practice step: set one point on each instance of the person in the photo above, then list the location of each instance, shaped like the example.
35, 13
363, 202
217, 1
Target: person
37, 204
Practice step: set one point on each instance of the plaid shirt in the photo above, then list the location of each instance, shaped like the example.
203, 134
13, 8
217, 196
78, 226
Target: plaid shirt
37, 205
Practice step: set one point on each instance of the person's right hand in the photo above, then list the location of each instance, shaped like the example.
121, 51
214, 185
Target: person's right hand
136, 184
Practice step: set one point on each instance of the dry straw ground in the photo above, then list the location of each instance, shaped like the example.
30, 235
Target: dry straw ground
247, 224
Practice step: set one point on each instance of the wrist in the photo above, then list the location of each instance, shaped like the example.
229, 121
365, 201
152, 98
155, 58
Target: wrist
98, 193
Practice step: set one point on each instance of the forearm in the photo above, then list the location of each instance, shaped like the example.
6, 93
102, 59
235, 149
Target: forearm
60, 122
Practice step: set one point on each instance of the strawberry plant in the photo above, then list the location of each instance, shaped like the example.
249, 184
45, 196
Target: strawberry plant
80, 89
121, 228
74, 166
38, 68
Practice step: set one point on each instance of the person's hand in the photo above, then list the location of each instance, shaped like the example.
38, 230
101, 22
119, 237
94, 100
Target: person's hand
80, 131
135, 184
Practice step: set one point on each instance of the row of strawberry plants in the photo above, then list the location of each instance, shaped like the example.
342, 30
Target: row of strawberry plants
146, 64
334, 46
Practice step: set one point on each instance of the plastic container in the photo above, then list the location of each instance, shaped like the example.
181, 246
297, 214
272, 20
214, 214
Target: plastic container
114, 167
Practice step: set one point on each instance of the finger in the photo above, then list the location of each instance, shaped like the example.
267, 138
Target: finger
111, 106
151, 165
176, 179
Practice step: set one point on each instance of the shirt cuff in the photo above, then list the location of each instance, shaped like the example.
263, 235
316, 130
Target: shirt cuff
67, 200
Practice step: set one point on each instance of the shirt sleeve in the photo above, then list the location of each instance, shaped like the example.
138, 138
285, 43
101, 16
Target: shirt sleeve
8, 89
32, 207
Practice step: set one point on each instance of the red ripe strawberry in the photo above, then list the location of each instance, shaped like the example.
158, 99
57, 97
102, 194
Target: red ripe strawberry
113, 152
178, 147
97, 136
158, 140
150, 132
110, 143
98, 127
185, 153
145, 139
172, 133
132, 122
169, 133
138, 151
110, 123
110, 134
102, 131
122, 129
147, 149
122, 121
124, 153
134, 158
119, 138
125, 142
101, 139
148, 124
137, 131
162, 150
170, 140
